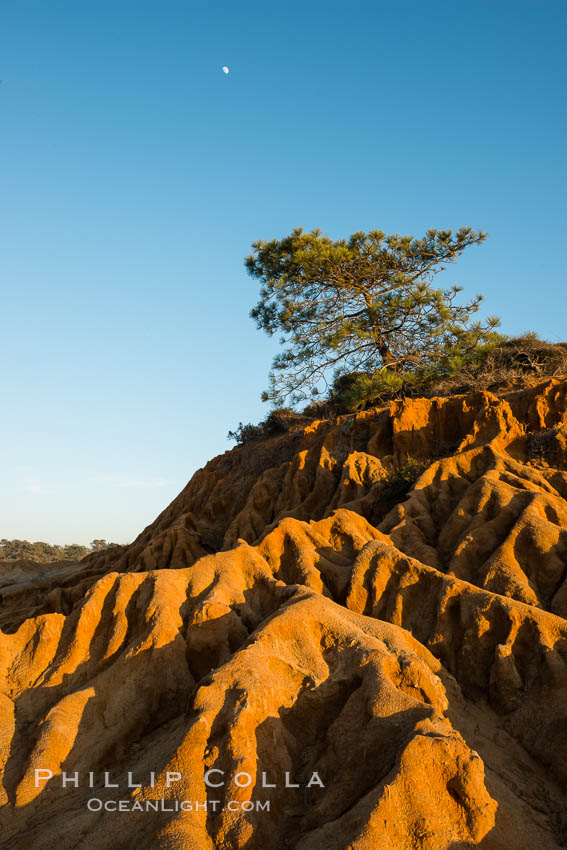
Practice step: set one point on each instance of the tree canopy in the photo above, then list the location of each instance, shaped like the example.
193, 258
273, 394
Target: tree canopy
361, 304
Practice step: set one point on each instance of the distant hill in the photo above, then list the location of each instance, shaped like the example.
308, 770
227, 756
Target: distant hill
43, 553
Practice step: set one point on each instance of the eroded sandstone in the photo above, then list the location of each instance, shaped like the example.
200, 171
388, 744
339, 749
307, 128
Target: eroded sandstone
281, 621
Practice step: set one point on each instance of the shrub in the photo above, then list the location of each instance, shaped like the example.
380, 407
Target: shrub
526, 355
278, 421
245, 433
399, 481
363, 389
496, 362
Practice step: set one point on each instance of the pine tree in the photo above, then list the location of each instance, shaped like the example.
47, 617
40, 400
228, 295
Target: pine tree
361, 305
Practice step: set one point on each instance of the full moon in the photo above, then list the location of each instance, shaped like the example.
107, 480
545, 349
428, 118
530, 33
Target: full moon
225, 69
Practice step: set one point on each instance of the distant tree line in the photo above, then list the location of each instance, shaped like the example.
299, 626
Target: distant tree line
15, 550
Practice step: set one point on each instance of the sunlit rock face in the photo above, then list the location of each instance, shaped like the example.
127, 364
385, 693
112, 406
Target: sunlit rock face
290, 658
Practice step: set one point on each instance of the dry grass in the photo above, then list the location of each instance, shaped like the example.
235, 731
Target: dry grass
511, 362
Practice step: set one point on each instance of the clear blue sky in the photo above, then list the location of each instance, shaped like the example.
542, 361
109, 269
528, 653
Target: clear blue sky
135, 175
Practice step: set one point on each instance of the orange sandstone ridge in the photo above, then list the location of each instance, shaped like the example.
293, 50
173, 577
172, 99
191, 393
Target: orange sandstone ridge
301, 666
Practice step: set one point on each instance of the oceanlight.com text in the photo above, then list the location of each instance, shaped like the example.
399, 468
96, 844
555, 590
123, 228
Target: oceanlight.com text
162, 805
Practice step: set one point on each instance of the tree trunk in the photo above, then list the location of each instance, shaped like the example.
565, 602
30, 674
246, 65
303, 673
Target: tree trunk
387, 357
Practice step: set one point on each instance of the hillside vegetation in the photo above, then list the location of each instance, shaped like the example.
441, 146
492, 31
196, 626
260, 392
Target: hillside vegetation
506, 364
